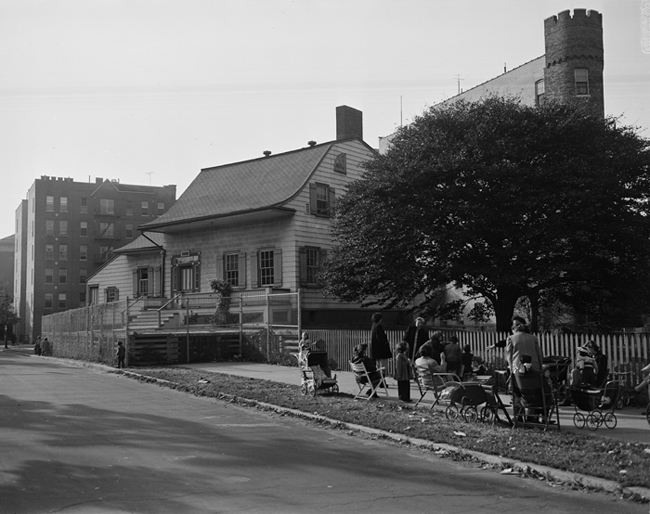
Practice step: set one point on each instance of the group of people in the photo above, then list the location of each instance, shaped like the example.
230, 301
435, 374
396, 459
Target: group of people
417, 349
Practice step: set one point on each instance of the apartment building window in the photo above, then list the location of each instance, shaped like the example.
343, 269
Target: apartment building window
582, 81
106, 206
106, 230
145, 208
63, 276
63, 228
49, 252
63, 252
105, 253
49, 300
62, 300
49, 276
63, 204
82, 298
49, 227
129, 207
161, 208
310, 260
83, 252
83, 228
539, 92
83, 275
49, 204
84, 206
321, 199
129, 230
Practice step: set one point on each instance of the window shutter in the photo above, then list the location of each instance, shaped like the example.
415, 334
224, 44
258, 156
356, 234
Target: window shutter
197, 277
174, 279
220, 267
277, 267
254, 271
323, 258
242, 269
313, 199
117, 295
135, 283
157, 282
150, 283
332, 204
302, 263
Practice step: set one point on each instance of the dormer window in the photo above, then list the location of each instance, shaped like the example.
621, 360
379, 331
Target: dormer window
340, 164
582, 81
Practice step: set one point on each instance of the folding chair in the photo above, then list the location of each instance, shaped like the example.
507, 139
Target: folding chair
434, 382
531, 400
362, 378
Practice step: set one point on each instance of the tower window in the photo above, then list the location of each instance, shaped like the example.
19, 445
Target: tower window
539, 92
582, 81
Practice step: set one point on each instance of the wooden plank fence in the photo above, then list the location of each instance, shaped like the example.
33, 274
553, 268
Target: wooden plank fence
626, 352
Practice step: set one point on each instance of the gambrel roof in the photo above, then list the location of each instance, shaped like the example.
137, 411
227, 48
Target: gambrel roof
243, 187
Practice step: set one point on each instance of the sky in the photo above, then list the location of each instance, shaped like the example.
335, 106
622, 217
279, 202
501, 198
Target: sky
151, 91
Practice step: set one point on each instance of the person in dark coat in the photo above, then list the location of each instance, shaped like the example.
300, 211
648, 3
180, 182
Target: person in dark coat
379, 346
359, 356
416, 335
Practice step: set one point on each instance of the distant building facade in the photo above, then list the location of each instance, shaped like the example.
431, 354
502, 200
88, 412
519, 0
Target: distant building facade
65, 231
7, 263
570, 71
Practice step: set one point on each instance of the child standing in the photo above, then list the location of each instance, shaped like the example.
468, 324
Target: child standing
403, 373
121, 354
303, 349
466, 360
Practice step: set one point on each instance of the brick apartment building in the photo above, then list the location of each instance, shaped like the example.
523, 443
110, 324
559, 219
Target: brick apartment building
67, 230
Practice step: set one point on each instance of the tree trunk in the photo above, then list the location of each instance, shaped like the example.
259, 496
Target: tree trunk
533, 298
504, 307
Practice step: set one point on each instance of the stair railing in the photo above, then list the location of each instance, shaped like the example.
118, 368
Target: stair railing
128, 308
178, 295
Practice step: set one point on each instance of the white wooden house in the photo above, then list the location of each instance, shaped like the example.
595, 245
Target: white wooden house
261, 225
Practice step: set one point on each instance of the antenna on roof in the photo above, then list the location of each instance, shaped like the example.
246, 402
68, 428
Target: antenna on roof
459, 79
400, 111
504, 68
149, 173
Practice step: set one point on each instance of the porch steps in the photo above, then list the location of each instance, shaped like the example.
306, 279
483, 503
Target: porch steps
149, 320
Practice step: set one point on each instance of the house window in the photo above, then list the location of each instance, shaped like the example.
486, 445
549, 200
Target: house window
106, 230
129, 230
63, 204
266, 268
313, 265
84, 206
161, 208
63, 228
94, 295
129, 207
539, 92
310, 260
83, 275
186, 275
582, 81
145, 208
321, 199
106, 206
49, 204
231, 268
49, 227
62, 300
83, 228
63, 276
143, 282
63, 252
83, 252
49, 252
49, 300
112, 294
340, 164
49, 276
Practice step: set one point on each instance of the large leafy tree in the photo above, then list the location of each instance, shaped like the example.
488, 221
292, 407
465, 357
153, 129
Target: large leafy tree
502, 200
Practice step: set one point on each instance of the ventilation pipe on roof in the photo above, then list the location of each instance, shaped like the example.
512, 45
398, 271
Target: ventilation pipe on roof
311, 143
266, 153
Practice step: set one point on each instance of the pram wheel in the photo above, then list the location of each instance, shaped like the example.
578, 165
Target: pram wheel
303, 388
470, 414
594, 420
451, 412
579, 420
610, 420
487, 414
311, 389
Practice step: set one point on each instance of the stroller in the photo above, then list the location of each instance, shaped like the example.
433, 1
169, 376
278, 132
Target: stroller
599, 405
315, 374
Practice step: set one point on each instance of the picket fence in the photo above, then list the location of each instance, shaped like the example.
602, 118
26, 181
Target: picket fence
626, 352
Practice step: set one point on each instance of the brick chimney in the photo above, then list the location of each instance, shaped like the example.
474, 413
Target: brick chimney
349, 123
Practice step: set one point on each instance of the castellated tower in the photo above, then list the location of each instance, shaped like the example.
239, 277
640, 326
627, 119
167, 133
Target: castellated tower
574, 59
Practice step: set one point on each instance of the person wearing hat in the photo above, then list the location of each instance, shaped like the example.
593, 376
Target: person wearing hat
415, 336
587, 366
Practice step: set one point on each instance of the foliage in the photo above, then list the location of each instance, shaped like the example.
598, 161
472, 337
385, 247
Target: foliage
7, 314
224, 290
501, 200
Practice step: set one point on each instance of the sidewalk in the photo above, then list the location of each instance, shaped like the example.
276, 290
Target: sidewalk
632, 425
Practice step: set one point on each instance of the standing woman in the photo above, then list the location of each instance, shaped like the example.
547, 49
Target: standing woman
379, 347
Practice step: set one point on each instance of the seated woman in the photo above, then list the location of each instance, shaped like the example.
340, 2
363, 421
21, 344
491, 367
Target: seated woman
359, 357
426, 365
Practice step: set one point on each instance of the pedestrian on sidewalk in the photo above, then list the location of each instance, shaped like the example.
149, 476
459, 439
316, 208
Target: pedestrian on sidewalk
37, 346
121, 354
379, 346
403, 372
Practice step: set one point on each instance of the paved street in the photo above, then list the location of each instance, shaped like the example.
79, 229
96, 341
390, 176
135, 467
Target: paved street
78, 440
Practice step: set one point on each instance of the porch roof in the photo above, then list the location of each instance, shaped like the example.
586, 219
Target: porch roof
248, 186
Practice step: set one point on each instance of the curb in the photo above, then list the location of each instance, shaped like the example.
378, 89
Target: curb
510, 467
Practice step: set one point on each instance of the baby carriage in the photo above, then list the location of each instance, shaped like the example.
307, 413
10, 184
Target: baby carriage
559, 368
315, 374
599, 404
464, 400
